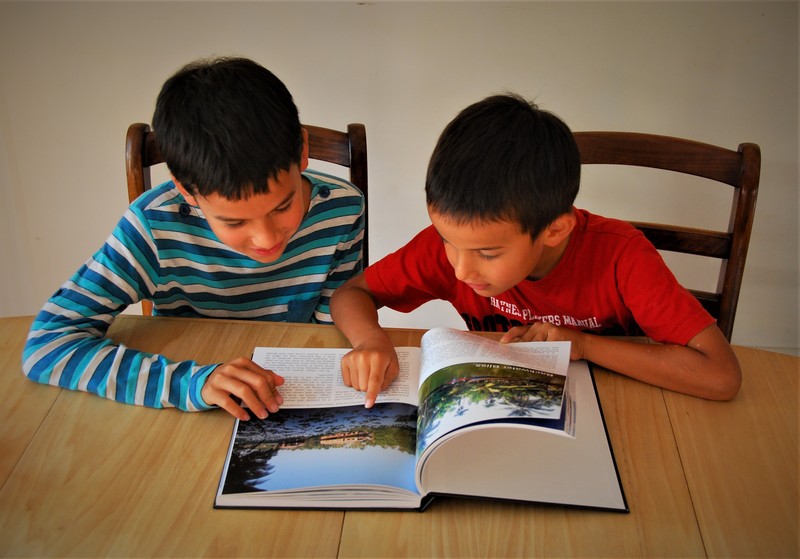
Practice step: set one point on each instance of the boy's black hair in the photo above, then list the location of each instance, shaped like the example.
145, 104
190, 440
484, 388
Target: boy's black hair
227, 126
503, 158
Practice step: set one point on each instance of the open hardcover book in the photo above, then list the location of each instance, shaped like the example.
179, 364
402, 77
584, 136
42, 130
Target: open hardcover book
467, 416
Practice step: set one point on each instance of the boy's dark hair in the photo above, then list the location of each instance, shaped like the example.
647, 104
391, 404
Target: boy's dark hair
503, 158
227, 126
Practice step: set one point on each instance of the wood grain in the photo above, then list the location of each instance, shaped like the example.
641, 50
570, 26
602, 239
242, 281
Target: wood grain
741, 459
26, 403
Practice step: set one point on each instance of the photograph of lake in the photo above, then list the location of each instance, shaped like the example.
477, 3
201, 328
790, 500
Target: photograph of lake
302, 448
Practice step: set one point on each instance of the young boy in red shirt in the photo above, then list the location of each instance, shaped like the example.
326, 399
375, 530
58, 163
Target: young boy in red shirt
511, 253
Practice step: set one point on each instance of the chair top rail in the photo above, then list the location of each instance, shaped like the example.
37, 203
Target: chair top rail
661, 152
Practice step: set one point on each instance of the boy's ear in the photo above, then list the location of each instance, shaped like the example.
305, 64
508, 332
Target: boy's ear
559, 229
304, 154
189, 197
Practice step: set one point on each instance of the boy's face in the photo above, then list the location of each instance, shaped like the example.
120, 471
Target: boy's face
261, 225
492, 257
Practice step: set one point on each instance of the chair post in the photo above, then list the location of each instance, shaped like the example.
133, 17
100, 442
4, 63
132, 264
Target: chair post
137, 172
358, 175
740, 227
138, 175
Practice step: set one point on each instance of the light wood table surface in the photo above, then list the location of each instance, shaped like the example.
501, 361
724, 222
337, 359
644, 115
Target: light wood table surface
83, 476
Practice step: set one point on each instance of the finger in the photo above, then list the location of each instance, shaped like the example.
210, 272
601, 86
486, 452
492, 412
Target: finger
227, 389
262, 392
355, 371
252, 384
263, 383
365, 373
536, 332
532, 335
227, 404
261, 403
346, 369
374, 384
513, 334
390, 374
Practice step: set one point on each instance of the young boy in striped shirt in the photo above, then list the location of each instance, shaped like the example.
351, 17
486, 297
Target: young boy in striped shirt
244, 230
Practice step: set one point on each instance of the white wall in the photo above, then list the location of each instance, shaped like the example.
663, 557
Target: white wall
74, 75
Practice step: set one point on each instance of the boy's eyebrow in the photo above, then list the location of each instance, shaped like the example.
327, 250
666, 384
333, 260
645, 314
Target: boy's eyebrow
473, 249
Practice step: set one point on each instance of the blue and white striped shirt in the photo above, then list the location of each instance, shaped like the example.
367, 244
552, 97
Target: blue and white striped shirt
164, 250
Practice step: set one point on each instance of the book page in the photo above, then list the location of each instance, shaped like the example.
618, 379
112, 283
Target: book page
314, 377
324, 449
468, 380
323, 458
442, 347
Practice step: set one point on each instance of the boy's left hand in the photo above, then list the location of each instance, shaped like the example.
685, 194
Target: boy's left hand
547, 332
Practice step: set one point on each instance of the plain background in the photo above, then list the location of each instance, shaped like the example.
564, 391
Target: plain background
73, 76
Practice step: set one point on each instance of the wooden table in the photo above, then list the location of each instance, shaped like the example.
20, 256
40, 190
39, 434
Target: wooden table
83, 476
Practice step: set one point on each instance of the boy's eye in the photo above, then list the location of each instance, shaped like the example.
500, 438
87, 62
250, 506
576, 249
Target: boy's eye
487, 256
233, 224
283, 208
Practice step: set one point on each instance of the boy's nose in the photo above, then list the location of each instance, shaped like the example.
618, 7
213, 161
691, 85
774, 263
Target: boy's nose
265, 236
462, 268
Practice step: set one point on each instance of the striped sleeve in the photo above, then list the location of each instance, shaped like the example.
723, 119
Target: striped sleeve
67, 347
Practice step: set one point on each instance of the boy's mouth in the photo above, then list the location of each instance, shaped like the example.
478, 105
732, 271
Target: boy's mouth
478, 286
268, 252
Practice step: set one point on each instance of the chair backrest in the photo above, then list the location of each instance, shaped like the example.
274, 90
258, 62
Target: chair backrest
738, 169
346, 149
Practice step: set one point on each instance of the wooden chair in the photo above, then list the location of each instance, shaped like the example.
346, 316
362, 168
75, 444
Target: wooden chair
738, 169
346, 149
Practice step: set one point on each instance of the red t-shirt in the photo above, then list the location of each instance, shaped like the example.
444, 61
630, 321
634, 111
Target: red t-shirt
609, 279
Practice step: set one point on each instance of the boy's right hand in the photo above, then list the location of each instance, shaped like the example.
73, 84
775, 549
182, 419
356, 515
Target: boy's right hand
371, 367
256, 387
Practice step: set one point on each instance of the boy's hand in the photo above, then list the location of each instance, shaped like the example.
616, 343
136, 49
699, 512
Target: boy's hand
371, 367
547, 332
255, 386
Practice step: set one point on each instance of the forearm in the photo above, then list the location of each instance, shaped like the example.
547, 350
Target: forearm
355, 312
706, 367
345, 265
61, 352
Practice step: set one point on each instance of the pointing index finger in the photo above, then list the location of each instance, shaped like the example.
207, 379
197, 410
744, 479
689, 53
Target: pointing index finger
373, 388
